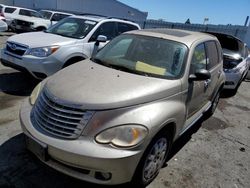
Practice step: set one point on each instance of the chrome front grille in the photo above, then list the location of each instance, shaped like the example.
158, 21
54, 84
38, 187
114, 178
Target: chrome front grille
15, 48
57, 119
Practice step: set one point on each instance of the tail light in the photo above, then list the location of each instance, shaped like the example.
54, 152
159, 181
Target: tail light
2, 14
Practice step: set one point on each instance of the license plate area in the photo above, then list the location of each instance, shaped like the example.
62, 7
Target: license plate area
40, 150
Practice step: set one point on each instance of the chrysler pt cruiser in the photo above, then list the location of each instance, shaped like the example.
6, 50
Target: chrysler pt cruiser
112, 119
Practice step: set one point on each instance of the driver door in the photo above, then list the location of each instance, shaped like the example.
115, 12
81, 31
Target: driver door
197, 89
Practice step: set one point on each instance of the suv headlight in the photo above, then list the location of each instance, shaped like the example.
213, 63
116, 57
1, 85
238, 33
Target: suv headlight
35, 94
122, 136
43, 51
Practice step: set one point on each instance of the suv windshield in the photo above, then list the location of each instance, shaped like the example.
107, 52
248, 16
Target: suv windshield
45, 14
72, 27
145, 55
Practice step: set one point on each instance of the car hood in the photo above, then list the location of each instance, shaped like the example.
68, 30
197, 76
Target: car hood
40, 39
94, 87
231, 59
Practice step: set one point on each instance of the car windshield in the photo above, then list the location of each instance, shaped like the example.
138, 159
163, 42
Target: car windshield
148, 56
72, 27
45, 14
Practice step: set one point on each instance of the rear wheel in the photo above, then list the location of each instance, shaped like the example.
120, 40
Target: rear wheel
152, 160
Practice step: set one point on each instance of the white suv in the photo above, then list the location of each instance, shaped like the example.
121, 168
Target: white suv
54, 16
67, 42
23, 19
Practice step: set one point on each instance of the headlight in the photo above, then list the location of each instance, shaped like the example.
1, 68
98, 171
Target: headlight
122, 136
42, 52
35, 94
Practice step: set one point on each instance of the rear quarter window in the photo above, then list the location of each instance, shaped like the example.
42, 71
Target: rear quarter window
123, 27
57, 17
9, 10
212, 54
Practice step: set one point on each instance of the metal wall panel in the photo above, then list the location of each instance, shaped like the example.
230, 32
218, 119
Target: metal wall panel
102, 7
7, 2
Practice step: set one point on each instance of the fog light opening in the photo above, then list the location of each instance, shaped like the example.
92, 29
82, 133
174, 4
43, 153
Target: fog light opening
104, 176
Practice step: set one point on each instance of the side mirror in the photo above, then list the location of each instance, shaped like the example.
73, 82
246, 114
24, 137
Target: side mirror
100, 38
199, 75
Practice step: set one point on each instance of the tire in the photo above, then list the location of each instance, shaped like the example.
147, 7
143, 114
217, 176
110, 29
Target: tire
152, 160
72, 61
40, 29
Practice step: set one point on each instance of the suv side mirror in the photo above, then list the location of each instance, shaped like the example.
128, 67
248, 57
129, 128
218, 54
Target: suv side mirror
100, 38
199, 75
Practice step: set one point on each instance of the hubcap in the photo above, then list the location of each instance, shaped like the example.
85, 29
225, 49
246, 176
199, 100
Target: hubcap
155, 159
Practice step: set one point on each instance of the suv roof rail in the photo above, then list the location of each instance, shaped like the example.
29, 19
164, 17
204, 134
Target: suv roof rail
125, 19
90, 14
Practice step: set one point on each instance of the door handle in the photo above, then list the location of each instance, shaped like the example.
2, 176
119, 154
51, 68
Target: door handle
207, 82
219, 73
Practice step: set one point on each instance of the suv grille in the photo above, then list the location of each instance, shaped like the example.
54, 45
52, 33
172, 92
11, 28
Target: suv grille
58, 120
15, 48
23, 23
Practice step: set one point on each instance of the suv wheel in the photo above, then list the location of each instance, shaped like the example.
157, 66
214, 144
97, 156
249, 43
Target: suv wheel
41, 29
152, 160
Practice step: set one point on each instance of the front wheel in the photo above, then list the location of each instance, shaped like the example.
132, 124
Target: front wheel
152, 161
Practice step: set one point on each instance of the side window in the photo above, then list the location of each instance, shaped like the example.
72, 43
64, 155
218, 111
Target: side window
24, 12
57, 17
35, 14
123, 27
9, 10
107, 29
198, 59
212, 54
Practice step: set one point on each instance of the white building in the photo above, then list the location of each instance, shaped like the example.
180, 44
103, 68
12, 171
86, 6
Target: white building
112, 8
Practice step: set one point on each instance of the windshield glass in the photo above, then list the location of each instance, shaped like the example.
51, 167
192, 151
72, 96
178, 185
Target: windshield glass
45, 14
144, 55
72, 27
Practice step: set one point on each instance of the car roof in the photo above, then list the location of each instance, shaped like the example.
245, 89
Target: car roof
183, 36
7, 6
53, 11
98, 18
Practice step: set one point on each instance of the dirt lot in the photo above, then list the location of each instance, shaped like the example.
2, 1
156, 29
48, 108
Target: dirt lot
214, 153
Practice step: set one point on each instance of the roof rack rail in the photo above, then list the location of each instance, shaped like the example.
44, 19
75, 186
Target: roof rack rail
125, 19
90, 14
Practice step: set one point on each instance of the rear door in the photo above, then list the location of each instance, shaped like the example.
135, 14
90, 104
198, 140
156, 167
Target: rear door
205, 56
214, 66
197, 89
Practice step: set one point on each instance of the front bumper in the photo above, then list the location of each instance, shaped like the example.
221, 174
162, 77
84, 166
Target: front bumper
232, 80
83, 158
37, 67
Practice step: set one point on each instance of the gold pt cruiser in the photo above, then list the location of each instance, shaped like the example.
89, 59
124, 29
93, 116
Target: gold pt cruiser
112, 119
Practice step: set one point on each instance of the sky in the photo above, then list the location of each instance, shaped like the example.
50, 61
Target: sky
218, 11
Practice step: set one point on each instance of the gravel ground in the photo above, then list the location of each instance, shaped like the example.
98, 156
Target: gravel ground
214, 153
